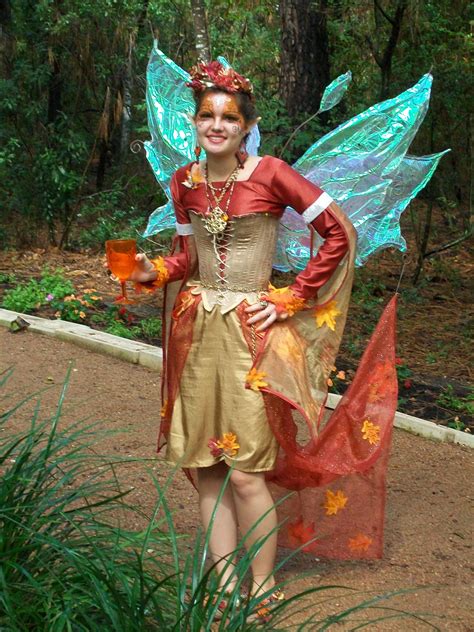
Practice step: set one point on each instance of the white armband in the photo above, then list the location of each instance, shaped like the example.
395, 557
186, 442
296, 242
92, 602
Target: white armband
184, 229
317, 207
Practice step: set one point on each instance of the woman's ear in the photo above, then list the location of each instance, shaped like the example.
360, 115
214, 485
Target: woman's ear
252, 124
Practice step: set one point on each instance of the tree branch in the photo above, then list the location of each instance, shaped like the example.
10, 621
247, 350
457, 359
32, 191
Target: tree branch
383, 12
457, 241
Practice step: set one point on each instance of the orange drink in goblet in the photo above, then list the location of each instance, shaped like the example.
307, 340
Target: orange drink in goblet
121, 261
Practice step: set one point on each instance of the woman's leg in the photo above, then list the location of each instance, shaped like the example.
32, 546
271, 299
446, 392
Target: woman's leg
252, 500
223, 540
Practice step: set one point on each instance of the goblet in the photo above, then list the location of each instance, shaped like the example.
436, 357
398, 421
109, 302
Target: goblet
121, 261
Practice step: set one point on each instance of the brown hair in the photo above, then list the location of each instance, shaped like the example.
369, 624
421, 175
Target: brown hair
244, 102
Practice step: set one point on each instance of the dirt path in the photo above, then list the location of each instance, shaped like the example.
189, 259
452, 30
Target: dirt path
428, 523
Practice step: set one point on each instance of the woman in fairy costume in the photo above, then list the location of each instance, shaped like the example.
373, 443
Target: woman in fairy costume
240, 357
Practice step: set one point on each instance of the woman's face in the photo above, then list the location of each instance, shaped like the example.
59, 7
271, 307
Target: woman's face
219, 124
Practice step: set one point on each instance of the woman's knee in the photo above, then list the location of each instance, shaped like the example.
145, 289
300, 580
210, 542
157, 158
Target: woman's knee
247, 483
212, 473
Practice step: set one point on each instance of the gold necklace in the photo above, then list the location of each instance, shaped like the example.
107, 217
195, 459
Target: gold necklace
216, 220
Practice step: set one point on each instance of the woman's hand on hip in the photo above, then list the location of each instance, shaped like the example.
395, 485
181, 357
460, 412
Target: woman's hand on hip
266, 312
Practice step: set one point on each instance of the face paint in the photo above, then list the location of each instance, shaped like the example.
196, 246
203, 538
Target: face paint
219, 124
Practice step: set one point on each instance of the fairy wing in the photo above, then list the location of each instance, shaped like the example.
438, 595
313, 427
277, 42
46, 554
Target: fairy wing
364, 166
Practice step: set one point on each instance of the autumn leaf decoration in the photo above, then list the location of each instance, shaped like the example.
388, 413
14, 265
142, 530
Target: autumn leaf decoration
300, 533
185, 300
162, 273
284, 300
227, 446
255, 380
370, 432
360, 542
194, 176
334, 502
326, 315
164, 409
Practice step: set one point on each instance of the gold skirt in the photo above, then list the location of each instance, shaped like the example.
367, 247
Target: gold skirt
212, 399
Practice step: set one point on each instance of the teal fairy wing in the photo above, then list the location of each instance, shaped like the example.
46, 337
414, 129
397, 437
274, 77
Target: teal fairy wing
169, 105
363, 164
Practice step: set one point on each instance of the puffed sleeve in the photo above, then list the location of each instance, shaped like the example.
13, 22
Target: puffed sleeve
293, 189
175, 266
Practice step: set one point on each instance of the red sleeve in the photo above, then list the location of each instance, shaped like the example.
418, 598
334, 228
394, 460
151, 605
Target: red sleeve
293, 189
177, 264
172, 267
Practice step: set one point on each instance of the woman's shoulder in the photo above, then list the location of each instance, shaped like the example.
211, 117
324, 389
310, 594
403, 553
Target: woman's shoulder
273, 161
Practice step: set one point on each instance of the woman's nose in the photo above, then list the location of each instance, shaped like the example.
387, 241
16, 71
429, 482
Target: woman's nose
217, 124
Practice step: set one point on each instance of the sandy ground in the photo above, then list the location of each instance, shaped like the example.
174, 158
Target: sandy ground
428, 522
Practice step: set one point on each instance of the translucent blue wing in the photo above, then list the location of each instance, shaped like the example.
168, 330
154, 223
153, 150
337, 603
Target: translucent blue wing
363, 165
335, 91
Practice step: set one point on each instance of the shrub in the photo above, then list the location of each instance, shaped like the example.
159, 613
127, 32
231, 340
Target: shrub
67, 566
29, 296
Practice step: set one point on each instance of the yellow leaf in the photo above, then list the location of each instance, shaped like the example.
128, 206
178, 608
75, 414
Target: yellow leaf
255, 379
327, 314
334, 502
370, 432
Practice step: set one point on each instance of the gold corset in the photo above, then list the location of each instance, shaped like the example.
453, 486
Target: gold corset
236, 265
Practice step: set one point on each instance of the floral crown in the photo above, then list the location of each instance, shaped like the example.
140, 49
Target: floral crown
215, 75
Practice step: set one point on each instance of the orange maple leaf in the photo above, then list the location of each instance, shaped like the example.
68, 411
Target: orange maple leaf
360, 542
334, 502
285, 299
255, 379
300, 533
370, 432
227, 445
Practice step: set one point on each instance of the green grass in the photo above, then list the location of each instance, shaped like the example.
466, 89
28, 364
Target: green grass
66, 565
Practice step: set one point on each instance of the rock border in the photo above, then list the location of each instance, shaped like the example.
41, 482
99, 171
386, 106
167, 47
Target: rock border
151, 357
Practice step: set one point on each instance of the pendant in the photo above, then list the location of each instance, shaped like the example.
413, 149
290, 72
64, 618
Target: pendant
216, 221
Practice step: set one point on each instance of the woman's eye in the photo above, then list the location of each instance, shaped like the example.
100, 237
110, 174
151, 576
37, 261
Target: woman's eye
205, 115
230, 117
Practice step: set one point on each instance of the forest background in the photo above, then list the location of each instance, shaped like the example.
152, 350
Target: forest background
72, 104
72, 96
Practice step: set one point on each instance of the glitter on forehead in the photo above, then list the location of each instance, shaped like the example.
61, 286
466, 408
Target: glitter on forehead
221, 104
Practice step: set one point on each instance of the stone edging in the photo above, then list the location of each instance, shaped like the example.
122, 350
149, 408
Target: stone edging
152, 358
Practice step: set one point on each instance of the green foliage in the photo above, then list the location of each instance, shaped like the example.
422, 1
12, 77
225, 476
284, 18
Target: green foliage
76, 308
151, 327
462, 404
67, 565
32, 294
7, 277
120, 322
457, 424
64, 175
403, 370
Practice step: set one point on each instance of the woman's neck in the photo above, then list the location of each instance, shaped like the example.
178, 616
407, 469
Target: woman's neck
220, 168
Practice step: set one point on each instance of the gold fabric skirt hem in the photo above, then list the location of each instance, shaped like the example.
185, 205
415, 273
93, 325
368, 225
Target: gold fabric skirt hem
229, 462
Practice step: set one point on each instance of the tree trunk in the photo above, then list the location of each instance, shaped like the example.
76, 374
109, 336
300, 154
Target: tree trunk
127, 86
203, 47
304, 65
6, 42
383, 55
